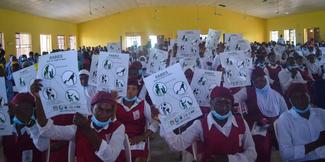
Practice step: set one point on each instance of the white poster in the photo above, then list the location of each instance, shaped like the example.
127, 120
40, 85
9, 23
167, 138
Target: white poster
231, 40
173, 96
188, 43
5, 126
243, 45
3, 92
157, 60
237, 65
202, 84
212, 39
24, 78
113, 70
93, 70
189, 62
61, 92
114, 47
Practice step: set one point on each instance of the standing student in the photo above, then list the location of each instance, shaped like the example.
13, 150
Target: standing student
225, 137
98, 138
135, 114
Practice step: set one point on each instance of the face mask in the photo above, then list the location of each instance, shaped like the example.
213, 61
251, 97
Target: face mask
140, 72
16, 121
263, 90
220, 117
130, 99
99, 123
301, 111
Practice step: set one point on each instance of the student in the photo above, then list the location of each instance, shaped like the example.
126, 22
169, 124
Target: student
88, 90
98, 138
273, 69
225, 137
135, 114
301, 130
25, 144
264, 105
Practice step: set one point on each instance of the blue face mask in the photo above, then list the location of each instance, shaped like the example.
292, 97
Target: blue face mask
263, 90
220, 117
130, 99
140, 72
99, 123
16, 121
301, 111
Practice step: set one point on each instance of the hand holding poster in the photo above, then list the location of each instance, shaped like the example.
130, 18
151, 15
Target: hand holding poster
93, 70
212, 39
157, 60
113, 69
171, 93
114, 47
24, 78
61, 92
237, 65
202, 84
5, 127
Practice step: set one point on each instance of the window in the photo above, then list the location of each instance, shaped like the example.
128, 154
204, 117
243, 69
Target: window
61, 40
2, 42
274, 36
23, 43
153, 40
72, 42
46, 45
290, 36
133, 41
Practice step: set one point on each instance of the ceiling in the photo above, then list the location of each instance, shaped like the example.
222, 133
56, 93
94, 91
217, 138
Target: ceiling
83, 10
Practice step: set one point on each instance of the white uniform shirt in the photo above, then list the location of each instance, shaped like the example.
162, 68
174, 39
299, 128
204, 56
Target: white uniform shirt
294, 132
286, 80
195, 133
108, 150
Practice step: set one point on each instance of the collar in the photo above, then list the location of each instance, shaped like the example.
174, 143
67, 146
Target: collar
295, 115
230, 121
136, 102
99, 130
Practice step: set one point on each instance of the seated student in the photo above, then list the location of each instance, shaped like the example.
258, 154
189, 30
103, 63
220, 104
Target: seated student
98, 138
264, 106
135, 114
273, 69
301, 130
25, 144
225, 137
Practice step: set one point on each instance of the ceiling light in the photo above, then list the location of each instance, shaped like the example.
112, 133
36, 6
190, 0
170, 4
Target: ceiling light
222, 5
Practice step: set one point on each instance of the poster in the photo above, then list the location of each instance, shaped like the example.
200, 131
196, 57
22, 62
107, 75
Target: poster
243, 45
231, 40
157, 60
173, 96
93, 70
5, 126
237, 65
61, 92
188, 43
114, 47
24, 78
202, 84
212, 40
113, 70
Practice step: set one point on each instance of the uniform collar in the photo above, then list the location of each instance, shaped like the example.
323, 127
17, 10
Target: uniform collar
136, 102
230, 121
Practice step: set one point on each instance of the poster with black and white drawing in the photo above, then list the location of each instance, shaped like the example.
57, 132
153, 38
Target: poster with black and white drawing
93, 70
188, 43
61, 92
202, 84
114, 47
157, 60
113, 72
212, 39
237, 65
5, 126
231, 40
173, 96
24, 78
3, 92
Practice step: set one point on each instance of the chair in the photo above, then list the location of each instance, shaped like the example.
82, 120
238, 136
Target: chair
71, 151
127, 149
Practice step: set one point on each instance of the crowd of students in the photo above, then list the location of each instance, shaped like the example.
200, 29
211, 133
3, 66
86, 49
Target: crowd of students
283, 108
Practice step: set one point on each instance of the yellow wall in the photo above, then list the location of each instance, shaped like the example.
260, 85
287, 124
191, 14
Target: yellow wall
298, 22
12, 22
166, 20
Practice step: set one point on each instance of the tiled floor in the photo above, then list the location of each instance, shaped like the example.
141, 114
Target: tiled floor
160, 152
